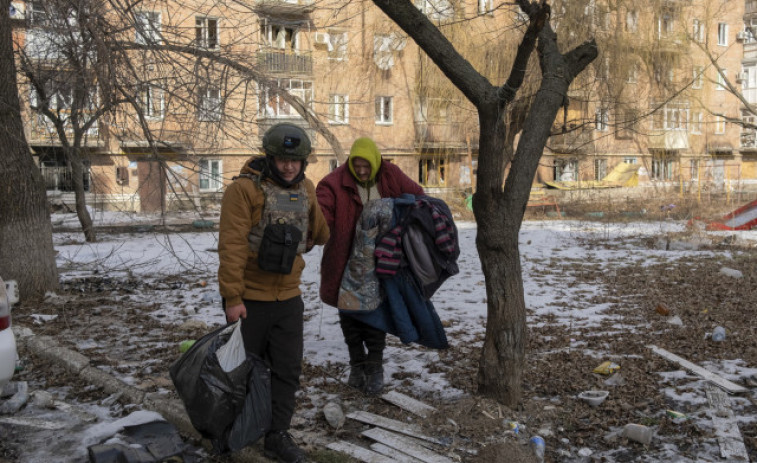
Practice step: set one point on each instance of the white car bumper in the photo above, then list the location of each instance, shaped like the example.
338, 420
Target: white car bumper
7, 355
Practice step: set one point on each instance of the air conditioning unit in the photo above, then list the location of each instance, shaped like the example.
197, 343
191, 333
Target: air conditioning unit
321, 38
741, 36
18, 11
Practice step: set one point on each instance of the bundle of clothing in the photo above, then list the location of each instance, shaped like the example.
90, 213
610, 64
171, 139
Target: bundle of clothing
404, 249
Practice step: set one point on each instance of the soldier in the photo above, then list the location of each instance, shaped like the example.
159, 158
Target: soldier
269, 217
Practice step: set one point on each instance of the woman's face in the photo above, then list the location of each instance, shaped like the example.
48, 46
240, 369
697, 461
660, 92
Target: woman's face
362, 169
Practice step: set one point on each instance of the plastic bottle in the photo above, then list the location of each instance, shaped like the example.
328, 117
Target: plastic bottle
718, 334
538, 446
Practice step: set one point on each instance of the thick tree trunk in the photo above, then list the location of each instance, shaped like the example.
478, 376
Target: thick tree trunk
26, 244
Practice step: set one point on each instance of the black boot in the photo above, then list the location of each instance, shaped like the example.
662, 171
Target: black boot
374, 379
357, 376
357, 366
280, 446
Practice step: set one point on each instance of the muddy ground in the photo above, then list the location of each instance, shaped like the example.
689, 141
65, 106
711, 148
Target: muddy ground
140, 347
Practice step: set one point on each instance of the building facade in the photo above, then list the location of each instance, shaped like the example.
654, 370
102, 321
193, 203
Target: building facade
173, 97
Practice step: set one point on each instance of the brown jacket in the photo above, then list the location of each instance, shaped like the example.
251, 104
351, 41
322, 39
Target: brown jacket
239, 276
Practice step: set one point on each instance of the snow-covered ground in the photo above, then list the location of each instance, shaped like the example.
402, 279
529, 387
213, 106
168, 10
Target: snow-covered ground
462, 299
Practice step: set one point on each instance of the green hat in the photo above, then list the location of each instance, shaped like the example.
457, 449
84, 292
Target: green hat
286, 141
365, 148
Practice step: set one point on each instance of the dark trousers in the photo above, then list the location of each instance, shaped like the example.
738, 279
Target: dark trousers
273, 331
361, 337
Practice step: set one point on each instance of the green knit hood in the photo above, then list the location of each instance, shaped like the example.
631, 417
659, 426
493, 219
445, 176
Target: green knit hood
365, 148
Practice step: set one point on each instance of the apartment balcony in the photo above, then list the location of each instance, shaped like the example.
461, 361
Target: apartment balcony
668, 140
288, 62
41, 132
748, 141
671, 43
438, 135
285, 8
579, 141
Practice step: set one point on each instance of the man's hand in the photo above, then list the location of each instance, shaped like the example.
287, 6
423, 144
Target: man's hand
236, 312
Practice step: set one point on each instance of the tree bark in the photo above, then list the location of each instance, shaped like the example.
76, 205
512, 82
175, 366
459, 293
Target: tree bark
26, 243
499, 212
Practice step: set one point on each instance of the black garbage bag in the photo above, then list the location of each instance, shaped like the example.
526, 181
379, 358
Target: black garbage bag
214, 398
254, 418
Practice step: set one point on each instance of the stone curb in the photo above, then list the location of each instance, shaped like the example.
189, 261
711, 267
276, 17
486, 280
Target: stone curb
171, 409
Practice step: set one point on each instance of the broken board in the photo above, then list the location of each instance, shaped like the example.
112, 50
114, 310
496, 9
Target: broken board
719, 381
394, 454
732, 446
391, 425
409, 404
405, 445
359, 453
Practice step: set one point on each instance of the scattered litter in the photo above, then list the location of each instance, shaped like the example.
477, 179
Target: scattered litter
676, 415
607, 368
718, 334
662, 309
729, 386
513, 427
675, 320
538, 446
43, 399
42, 318
615, 380
334, 415
638, 433
730, 272
593, 398
186, 344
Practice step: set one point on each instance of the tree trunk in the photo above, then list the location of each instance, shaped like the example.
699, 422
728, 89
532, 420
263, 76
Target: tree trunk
26, 236
77, 180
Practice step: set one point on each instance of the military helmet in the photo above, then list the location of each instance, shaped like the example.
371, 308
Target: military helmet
286, 141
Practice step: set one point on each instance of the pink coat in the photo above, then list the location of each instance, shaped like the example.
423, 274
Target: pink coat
340, 202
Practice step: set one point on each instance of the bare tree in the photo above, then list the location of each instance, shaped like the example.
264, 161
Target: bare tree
26, 245
499, 211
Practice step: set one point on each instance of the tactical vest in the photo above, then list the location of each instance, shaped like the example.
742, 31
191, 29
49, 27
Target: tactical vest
281, 206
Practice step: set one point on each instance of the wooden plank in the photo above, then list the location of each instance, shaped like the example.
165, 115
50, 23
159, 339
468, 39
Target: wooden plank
409, 404
33, 423
394, 454
732, 446
404, 445
391, 425
729, 386
359, 453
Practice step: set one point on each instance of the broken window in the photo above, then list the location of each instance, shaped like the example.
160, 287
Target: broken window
432, 172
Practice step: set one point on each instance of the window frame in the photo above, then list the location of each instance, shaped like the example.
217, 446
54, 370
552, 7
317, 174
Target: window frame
148, 95
202, 32
601, 119
723, 34
272, 106
339, 109
213, 180
381, 109
205, 112
147, 30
